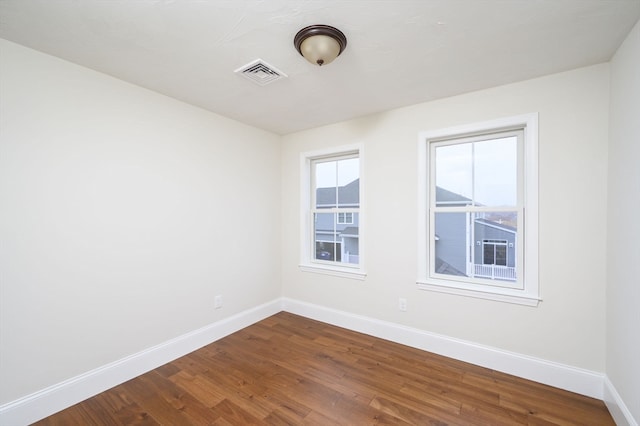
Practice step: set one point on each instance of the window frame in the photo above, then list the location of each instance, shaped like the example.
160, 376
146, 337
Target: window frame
307, 198
527, 292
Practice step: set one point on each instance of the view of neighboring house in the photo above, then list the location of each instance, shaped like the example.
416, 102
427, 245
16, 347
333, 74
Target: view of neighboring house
336, 233
480, 245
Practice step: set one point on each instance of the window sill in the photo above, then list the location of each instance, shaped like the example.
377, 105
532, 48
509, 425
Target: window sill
526, 300
354, 274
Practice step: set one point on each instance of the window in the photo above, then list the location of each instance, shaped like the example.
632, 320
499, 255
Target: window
477, 183
494, 252
331, 223
345, 218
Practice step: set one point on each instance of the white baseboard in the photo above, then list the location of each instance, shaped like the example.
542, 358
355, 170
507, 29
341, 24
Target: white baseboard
618, 409
45, 402
562, 376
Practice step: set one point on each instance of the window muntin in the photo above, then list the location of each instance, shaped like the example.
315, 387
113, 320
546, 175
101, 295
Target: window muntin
476, 183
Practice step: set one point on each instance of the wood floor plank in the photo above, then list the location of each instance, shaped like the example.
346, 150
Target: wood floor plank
407, 415
125, 411
542, 401
290, 370
236, 415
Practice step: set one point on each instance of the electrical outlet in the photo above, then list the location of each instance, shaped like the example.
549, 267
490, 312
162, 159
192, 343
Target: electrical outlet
217, 302
402, 304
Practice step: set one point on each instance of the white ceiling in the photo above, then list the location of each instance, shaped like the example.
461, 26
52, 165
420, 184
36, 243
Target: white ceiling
399, 52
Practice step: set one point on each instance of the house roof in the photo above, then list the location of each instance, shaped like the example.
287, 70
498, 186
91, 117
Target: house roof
349, 231
347, 195
443, 267
446, 196
498, 225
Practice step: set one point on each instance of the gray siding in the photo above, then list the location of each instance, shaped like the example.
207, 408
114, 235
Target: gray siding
452, 239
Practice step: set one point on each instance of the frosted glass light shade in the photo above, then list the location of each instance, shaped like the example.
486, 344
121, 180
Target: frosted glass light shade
320, 44
320, 49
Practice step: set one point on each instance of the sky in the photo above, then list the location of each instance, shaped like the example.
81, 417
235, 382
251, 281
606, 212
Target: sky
342, 172
486, 170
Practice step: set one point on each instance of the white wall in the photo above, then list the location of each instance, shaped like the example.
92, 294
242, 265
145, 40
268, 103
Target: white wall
623, 252
122, 214
568, 327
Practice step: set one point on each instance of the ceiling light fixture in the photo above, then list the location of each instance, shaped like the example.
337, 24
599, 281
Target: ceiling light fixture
320, 44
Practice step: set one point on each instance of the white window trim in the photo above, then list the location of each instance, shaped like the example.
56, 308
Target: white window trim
306, 234
530, 294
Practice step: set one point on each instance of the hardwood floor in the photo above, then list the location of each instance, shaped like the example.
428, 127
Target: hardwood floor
290, 370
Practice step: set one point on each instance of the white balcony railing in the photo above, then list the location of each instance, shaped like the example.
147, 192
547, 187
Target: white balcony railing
350, 258
495, 272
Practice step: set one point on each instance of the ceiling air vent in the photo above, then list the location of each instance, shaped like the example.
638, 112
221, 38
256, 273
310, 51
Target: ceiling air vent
260, 72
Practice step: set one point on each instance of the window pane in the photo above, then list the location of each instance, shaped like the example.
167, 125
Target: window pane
334, 241
483, 172
495, 245
327, 251
326, 175
480, 245
453, 164
495, 172
451, 243
325, 236
349, 237
501, 255
337, 183
348, 183
488, 256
